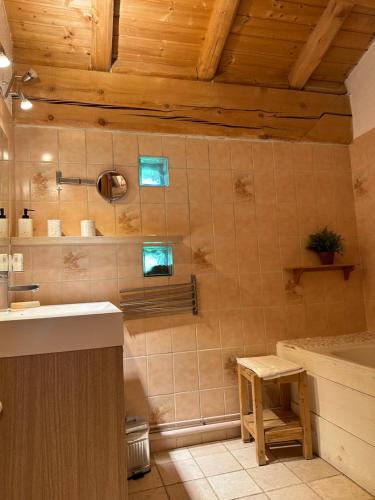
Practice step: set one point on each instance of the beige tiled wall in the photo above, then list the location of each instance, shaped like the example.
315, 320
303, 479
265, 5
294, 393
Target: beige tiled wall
4, 186
362, 157
245, 210
6, 165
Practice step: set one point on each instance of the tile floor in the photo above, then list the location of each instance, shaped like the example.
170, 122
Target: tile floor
227, 470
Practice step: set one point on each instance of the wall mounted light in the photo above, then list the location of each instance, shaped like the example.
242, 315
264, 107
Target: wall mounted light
14, 87
4, 59
25, 103
29, 75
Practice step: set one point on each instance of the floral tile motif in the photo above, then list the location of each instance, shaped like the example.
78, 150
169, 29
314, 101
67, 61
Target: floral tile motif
200, 258
231, 364
359, 186
40, 184
157, 415
243, 188
293, 291
75, 264
71, 260
129, 222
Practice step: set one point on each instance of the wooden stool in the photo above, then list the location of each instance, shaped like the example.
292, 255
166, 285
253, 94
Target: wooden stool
280, 424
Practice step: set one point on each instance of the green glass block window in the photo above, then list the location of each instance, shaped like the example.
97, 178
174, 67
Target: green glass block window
153, 171
157, 261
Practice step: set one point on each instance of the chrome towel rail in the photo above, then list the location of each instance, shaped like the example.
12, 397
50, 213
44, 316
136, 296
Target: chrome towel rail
160, 300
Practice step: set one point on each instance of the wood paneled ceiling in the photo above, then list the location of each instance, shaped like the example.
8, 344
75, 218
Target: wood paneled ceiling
278, 67
166, 38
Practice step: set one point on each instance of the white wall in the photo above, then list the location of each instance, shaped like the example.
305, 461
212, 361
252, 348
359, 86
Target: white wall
361, 87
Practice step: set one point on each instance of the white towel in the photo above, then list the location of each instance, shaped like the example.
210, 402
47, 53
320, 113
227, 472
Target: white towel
269, 367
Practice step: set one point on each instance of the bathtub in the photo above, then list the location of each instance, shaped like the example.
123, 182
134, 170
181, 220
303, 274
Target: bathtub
341, 373
362, 355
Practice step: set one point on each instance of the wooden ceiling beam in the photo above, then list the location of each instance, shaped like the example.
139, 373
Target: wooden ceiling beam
319, 42
102, 34
114, 101
219, 26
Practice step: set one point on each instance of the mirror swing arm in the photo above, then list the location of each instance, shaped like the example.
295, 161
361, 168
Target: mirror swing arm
72, 181
110, 184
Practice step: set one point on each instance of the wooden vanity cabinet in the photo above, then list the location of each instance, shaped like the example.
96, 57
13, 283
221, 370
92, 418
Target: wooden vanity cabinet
62, 426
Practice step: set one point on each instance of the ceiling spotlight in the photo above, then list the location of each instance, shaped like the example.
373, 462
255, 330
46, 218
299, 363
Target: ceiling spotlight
4, 59
29, 75
25, 103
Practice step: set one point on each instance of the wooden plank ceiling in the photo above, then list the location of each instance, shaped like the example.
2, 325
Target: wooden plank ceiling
311, 45
165, 38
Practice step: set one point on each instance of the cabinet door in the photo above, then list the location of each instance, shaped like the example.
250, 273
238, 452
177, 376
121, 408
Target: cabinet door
62, 434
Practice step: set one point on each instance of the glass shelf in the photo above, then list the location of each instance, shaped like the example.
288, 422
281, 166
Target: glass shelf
97, 240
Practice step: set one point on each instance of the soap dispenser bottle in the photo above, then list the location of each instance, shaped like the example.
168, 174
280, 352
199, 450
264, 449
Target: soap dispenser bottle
3, 224
25, 224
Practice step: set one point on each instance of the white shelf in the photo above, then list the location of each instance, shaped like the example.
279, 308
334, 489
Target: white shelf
97, 240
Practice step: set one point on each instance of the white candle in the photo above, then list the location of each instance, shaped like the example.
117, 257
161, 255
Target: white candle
54, 228
87, 228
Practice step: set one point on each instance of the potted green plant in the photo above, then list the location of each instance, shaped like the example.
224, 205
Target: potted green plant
325, 243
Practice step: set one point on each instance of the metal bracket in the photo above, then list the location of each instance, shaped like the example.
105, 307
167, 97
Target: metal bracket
72, 181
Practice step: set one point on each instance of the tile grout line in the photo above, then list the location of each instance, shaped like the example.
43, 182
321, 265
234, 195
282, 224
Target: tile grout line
227, 450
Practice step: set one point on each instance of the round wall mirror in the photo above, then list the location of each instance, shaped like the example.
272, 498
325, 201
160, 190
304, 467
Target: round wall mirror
111, 185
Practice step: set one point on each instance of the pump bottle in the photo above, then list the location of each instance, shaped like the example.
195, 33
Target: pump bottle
4, 228
25, 224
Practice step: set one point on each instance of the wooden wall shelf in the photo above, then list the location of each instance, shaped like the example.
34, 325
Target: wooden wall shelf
97, 240
298, 271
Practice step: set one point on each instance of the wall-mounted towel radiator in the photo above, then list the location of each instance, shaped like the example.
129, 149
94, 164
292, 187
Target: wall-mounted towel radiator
160, 300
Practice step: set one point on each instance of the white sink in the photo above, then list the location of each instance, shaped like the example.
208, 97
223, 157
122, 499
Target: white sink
59, 311
59, 328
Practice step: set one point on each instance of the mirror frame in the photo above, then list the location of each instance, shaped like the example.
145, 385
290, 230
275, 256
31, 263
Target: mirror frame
111, 199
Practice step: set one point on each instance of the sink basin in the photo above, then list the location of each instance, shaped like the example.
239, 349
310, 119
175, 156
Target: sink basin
59, 328
59, 311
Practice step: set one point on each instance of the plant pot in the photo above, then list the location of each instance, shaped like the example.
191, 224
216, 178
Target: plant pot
327, 258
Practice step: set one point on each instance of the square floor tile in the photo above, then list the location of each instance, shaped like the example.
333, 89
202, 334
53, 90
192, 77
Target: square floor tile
180, 471
298, 492
154, 494
236, 444
247, 456
219, 463
149, 481
311, 470
203, 450
233, 485
162, 457
273, 476
339, 488
199, 489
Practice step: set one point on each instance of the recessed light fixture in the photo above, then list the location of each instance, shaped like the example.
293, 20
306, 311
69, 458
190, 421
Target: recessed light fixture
25, 103
4, 59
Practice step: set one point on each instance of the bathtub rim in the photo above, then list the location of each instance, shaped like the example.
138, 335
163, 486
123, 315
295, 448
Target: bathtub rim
321, 362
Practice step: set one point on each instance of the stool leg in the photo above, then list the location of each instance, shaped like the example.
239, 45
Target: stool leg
257, 398
244, 405
304, 409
